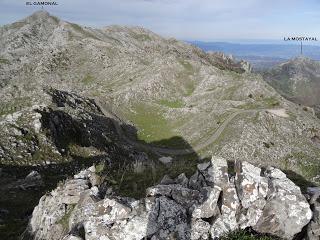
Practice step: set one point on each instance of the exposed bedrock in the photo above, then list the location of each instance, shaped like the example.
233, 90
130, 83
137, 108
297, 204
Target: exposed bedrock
214, 201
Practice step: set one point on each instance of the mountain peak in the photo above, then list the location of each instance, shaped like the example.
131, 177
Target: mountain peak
298, 80
302, 63
302, 59
40, 14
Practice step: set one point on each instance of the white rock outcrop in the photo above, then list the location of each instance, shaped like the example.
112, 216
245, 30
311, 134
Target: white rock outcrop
210, 204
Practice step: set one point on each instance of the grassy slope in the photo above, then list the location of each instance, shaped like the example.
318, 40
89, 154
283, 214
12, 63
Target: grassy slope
152, 125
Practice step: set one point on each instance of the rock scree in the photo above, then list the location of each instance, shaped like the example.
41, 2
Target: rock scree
214, 201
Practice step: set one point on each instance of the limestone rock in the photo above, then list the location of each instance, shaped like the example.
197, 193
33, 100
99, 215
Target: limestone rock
197, 181
208, 208
219, 171
252, 190
208, 205
182, 180
166, 160
46, 218
32, 180
219, 228
286, 210
166, 180
250, 184
227, 221
200, 230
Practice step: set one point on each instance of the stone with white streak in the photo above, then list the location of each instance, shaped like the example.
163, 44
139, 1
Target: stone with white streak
286, 210
208, 205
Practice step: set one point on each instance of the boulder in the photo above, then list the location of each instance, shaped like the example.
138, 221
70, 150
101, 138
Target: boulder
208, 207
32, 180
182, 180
250, 184
219, 228
166, 160
170, 216
286, 211
136, 228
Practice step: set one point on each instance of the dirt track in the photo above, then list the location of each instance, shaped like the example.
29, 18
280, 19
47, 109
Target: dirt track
166, 150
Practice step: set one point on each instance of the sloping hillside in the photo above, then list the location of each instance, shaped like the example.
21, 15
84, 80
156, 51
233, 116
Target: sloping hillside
166, 88
297, 80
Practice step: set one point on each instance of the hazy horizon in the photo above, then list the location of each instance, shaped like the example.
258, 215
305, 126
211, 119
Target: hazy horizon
231, 41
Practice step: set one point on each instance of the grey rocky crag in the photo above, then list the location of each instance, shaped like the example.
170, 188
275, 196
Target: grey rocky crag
209, 204
298, 80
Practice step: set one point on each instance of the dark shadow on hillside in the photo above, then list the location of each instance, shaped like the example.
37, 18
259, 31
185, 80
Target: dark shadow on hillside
129, 170
299, 180
174, 142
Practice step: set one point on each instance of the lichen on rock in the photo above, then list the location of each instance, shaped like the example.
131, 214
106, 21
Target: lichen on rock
197, 208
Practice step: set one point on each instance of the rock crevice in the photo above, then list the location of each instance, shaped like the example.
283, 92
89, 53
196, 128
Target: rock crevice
209, 205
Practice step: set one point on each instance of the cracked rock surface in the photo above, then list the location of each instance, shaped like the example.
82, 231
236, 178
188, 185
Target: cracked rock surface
214, 201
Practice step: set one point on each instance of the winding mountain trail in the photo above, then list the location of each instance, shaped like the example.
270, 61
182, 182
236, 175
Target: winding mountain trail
166, 150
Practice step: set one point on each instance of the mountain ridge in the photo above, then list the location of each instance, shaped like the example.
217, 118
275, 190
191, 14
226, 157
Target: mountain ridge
136, 72
262, 55
298, 80
163, 94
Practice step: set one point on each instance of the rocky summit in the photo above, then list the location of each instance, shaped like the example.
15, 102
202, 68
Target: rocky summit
137, 106
214, 201
298, 80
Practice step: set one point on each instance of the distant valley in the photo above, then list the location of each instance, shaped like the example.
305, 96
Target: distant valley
261, 56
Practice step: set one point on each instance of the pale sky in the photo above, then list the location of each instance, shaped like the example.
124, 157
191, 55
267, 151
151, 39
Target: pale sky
206, 20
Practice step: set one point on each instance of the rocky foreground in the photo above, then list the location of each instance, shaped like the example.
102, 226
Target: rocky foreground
219, 198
